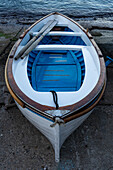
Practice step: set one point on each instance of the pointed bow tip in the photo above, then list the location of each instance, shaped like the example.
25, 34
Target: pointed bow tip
56, 13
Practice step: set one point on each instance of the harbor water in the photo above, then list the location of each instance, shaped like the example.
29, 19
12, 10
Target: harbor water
72, 8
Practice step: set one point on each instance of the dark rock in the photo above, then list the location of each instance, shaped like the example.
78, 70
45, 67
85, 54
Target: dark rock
95, 33
4, 22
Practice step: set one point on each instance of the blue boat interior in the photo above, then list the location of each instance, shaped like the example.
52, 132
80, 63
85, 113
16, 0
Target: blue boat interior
71, 40
61, 70
56, 70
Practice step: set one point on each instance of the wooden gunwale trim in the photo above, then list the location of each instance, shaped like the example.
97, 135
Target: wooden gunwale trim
85, 111
10, 90
41, 108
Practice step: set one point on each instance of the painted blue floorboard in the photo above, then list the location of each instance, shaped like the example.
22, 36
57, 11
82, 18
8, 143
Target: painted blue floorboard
56, 77
56, 70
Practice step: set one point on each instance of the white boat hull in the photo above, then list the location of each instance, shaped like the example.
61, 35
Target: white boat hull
56, 134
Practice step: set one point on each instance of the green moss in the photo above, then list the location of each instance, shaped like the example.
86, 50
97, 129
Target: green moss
2, 34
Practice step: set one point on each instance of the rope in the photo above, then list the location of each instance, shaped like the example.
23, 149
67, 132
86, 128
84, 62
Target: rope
55, 99
57, 120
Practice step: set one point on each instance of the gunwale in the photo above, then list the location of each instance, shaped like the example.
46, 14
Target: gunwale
24, 101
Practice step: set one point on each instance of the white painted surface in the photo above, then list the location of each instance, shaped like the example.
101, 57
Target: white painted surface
55, 47
57, 134
63, 33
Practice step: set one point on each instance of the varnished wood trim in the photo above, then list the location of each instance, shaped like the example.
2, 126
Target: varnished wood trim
10, 90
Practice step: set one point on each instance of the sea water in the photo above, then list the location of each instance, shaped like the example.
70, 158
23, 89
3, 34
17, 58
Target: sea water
75, 8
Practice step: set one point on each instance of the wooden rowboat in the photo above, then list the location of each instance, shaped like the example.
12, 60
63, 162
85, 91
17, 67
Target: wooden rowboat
56, 75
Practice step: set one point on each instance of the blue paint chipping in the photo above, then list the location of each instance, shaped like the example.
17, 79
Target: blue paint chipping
61, 70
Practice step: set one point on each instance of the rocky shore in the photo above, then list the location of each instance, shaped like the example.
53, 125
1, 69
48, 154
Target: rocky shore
24, 147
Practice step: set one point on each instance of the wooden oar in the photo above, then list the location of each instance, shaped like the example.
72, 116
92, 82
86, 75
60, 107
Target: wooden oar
33, 39
38, 40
